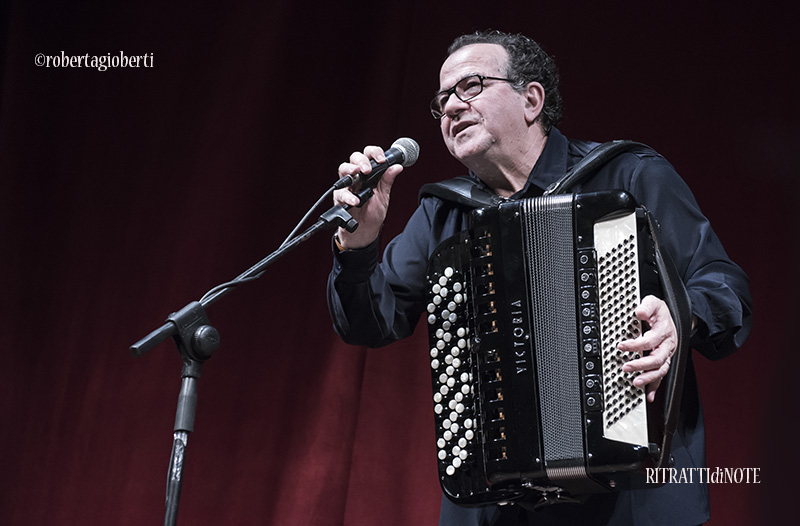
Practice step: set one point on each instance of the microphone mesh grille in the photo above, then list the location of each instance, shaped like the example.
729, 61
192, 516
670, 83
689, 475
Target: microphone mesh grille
410, 150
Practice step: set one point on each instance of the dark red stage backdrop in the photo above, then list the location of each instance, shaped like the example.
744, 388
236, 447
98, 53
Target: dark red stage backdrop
128, 193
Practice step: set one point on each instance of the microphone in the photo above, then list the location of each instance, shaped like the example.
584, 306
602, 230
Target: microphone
404, 151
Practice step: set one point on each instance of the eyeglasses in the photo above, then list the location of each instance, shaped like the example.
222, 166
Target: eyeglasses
465, 89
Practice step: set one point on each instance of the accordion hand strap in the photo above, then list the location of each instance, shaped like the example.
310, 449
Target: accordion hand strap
677, 300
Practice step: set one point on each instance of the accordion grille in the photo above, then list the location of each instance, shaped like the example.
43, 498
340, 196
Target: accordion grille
548, 234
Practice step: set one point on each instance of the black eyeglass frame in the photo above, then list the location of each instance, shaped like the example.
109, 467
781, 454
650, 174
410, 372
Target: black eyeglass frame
437, 107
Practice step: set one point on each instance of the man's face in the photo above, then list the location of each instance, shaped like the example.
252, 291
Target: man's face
490, 127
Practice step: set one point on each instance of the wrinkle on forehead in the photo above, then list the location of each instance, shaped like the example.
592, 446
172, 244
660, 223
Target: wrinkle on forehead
474, 59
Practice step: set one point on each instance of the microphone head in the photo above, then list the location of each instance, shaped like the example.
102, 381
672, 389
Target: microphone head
410, 150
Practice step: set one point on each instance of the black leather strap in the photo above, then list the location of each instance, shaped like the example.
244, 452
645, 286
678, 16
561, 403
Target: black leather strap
465, 191
593, 160
461, 190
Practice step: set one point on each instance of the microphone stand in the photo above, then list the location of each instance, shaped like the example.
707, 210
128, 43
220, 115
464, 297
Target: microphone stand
197, 340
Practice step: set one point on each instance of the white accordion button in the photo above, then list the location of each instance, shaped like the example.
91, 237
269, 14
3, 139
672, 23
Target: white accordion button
448, 272
435, 365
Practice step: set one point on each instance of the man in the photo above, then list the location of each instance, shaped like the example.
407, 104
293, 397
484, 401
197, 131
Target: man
498, 104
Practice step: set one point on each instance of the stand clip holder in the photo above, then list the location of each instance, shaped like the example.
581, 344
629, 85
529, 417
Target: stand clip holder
197, 341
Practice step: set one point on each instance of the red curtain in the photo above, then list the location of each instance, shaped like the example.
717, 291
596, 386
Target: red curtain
128, 193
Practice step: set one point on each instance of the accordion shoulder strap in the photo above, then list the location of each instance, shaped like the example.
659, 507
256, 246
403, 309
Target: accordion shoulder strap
464, 191
591, 162
461, 190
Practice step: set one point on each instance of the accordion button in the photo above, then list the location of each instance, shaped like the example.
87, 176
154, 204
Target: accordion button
438, 409
469, 435
462, 442
450, 470
442, 454
431, 319
434, 364
447, 435
441, 443
448, 272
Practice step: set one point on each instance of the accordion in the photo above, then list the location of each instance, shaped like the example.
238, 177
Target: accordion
526, 308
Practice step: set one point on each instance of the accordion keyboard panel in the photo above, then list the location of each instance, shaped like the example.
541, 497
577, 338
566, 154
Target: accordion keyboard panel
454, 401
624, 415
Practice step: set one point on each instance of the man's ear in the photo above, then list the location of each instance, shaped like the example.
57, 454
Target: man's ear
534, 101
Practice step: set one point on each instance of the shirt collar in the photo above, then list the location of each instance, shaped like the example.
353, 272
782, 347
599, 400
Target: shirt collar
551, 165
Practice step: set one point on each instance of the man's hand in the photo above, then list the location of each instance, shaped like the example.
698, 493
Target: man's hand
370, 217
662, 338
